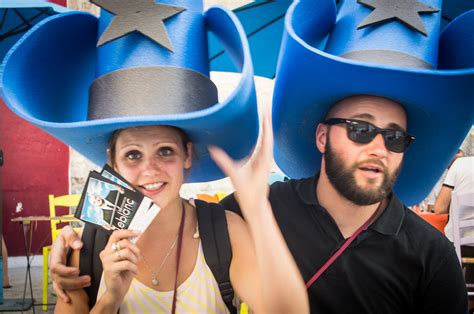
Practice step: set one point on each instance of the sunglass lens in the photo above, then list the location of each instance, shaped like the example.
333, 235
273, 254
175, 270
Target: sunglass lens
361, 133
396, 141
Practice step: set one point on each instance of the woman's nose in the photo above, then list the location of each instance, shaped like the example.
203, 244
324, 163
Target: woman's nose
151, 166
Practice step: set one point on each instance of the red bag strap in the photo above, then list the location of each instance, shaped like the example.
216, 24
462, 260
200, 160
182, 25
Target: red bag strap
343, 247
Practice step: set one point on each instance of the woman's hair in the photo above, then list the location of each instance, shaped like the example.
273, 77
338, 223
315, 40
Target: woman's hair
113, 140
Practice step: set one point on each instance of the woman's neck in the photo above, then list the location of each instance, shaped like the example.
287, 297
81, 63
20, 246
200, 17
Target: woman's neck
169, 217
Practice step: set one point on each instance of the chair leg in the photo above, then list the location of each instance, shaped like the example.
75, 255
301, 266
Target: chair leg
46, 250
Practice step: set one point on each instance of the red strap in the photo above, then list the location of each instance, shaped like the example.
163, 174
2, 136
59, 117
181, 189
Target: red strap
343, 248
180, 244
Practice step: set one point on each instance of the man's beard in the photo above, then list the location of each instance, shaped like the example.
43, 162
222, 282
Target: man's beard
343, 180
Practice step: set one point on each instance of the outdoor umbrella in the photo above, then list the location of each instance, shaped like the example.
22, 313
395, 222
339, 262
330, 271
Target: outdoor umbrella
18, 16
263, 24
453, 8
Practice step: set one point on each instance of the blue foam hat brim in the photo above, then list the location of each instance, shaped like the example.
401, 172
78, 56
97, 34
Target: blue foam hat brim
438, 102
47, 75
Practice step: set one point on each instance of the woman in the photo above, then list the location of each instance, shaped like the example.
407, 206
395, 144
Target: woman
141, 72
154, 160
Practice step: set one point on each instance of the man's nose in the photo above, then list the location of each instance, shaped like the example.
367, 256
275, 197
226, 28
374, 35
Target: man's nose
377, 146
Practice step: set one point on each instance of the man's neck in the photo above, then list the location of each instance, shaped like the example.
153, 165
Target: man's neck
347, 215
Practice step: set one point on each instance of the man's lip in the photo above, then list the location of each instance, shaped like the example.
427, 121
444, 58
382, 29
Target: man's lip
371, 167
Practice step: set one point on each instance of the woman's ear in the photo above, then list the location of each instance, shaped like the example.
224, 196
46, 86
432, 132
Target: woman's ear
321, 137
188, 161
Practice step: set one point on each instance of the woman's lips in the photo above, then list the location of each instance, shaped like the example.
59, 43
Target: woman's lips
150, 189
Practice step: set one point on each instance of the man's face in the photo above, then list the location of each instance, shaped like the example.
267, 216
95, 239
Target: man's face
96, 200
362, 173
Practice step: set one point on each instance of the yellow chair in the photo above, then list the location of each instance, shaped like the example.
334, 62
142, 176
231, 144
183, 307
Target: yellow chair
56, 201
221, 195
216, 198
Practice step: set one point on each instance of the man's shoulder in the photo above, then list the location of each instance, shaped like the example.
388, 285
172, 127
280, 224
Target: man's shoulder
462, 164
292, 200
436, 260
292, 189
424, 238
282, 194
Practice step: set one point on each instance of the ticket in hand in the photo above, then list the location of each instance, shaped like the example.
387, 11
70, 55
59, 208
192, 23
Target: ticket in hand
110, 202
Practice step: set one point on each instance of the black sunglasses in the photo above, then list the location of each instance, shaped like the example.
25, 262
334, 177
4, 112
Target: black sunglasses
363, 132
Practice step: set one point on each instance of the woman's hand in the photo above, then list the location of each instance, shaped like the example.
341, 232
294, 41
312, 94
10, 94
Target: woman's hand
119, 261
250, 180
276, 276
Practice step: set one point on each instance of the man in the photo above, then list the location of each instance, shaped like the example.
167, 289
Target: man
459, 180
399, 264
429, 202
113, 201
106, 206
358, 248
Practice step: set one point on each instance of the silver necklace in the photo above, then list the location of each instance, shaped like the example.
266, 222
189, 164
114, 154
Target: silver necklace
154, 274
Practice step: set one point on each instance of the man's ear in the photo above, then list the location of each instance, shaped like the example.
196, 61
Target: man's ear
321, 137
188, 161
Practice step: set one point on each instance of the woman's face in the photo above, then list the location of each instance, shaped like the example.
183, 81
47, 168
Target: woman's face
153, 159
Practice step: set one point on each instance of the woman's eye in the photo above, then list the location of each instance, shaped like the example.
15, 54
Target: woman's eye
165, 151
133, 155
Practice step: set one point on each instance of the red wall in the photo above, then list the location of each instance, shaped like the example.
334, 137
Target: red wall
35, 165
60, 2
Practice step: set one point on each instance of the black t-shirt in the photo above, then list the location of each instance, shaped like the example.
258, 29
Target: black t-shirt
400, 264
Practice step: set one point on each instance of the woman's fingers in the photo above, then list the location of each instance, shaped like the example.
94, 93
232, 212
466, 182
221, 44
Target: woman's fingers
119, 250
118, 235
120, 239
267, 137
123, 265
251, 177
124, 254
125, 243
223, 160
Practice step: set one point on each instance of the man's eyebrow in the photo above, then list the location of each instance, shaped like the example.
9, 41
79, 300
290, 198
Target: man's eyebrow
395, 126
367, 116
371, 118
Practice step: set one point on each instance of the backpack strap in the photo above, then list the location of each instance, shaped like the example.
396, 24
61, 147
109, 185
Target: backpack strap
216, 246
94, 241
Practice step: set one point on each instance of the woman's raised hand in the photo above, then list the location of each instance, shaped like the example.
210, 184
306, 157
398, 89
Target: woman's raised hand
119, 261
250, 179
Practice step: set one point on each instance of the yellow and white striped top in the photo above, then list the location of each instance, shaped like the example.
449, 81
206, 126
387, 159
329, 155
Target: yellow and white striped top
197, 294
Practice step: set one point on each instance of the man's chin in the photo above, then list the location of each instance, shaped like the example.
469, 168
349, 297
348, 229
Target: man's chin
372, 186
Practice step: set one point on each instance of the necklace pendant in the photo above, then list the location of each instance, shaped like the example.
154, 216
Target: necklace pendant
155, 282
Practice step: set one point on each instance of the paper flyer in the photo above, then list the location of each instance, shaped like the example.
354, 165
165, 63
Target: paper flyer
109, 202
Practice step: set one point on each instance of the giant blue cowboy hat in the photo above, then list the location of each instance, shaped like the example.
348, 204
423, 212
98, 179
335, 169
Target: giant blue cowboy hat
143, 62
389, 48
